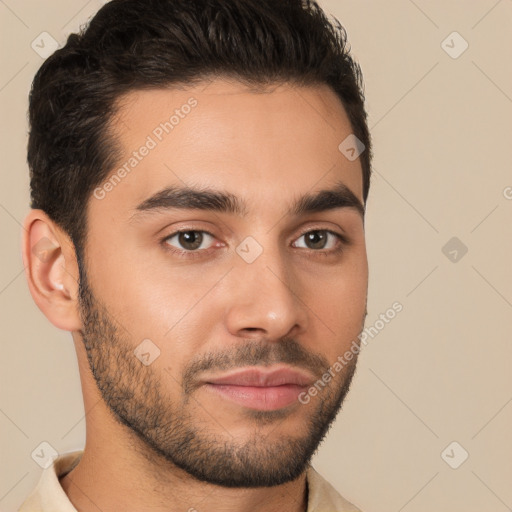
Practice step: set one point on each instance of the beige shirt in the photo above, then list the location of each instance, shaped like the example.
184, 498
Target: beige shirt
48, 495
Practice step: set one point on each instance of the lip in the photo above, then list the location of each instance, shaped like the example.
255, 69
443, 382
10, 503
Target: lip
261, 389
263, 377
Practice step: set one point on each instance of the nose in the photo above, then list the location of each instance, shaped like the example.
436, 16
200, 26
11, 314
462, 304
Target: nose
265, 301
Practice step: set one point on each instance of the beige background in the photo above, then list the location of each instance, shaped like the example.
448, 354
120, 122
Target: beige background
437, 373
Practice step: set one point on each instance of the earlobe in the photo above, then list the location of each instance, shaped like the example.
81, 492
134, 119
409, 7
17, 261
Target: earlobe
51, 270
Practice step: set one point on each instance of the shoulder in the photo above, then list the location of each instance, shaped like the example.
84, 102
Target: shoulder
323, 497
48, 493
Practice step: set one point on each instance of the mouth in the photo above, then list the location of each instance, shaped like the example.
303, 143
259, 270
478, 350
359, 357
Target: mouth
261, 388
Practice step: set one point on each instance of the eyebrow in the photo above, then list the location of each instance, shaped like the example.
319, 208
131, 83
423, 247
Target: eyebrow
190, 198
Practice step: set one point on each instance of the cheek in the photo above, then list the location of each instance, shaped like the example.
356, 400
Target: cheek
156, 299
140, 284
158, 305
338, 301
341, 306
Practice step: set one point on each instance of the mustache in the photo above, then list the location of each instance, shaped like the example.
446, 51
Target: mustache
254, 353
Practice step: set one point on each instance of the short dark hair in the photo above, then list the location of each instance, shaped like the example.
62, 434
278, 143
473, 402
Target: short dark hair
134, 44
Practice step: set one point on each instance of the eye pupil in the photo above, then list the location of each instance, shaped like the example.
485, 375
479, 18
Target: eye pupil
316, 237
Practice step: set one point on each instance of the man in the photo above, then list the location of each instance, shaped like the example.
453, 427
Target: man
199, 175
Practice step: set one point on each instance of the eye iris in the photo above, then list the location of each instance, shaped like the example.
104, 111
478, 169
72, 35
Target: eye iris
315, 237
190, 237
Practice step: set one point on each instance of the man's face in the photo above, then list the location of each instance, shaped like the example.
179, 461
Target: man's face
201, 342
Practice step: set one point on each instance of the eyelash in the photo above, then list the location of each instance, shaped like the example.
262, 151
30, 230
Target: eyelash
342, 239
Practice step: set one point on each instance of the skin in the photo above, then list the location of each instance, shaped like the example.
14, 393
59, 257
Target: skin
268, 149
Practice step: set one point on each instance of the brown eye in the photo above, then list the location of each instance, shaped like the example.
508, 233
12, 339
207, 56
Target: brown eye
319, 238
316, 239
190, 240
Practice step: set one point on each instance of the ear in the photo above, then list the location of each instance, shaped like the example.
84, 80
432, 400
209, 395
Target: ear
51, 270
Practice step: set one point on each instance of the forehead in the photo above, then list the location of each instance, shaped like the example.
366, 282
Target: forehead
257, 144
